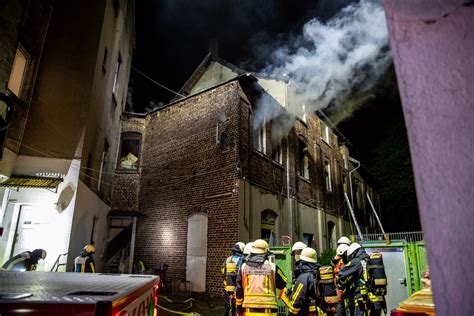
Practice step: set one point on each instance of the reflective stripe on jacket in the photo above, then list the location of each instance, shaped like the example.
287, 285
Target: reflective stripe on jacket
231, 266
257, 282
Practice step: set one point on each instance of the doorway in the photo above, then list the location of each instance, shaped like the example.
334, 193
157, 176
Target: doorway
29, 232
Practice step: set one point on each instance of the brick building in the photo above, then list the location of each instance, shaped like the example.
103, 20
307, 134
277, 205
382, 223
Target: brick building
227, 163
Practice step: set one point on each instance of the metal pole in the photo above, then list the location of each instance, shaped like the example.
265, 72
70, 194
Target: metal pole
376, 216
132, 245
353, 217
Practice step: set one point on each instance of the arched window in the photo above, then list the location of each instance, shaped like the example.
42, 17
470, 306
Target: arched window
268, 226
303, 159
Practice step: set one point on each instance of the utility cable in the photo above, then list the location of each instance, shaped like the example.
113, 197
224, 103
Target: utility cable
157, 83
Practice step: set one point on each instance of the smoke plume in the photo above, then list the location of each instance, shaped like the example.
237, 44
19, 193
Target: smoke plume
333, 61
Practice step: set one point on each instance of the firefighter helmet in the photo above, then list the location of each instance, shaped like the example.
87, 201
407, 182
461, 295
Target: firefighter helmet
344, 240
260, 246
89, 248
247, 248
238, 247
341, 249
40, 253
352, 248
298, 246
309, 255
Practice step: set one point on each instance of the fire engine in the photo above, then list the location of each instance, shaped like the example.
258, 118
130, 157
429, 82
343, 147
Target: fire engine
58, 293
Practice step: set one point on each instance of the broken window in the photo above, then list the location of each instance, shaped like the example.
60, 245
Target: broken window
303, 159
259, 138
277, 153
18, 71
129, 151
268, 226
327, 176
324, 132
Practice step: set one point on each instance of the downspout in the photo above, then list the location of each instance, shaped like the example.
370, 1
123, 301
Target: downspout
288, 191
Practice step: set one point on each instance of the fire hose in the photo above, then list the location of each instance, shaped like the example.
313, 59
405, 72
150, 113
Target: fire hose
181, 311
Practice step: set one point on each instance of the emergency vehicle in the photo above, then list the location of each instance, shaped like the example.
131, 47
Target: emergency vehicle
63, 293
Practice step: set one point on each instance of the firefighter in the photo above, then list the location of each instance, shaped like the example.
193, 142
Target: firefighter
344, 240
296, 253
302, 299
25, 261
257, 282
231, 266
84, 263
338, 261
352, 281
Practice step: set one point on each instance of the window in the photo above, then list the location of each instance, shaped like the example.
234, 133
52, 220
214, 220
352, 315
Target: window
117, 74
332, 241
303, 115
17, 74
277, 153
344, 183
324, 132
268, 226
129, 151
223, 141
308, 239
104, 61
259, 138
303, 159
327, 176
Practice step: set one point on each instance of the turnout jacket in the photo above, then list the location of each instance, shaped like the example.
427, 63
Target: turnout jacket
301, 298
25, 261
230, 269
352, 274
257, 281
84, 263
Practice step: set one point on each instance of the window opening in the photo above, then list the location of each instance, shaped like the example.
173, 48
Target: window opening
129, 151
18, 71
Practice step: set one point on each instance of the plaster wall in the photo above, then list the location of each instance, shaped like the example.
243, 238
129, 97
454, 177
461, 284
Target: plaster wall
214, 75
432, 45
88, 205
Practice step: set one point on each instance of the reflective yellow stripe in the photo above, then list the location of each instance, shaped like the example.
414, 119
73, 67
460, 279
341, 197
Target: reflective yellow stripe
296, 294
12, 264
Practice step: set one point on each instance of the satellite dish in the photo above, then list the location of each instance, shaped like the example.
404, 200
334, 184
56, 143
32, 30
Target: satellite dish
222, 117
65, 198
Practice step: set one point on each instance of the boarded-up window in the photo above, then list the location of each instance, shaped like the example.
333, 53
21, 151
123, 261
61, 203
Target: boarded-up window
197, 252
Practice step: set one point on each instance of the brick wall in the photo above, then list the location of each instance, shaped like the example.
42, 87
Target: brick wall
184, 171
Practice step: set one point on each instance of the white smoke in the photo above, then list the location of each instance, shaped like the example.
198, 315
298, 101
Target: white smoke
331, 61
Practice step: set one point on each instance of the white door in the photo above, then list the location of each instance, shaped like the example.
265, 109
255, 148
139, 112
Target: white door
197, 252
29, 233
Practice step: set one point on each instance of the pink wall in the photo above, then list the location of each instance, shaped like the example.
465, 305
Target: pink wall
433, 49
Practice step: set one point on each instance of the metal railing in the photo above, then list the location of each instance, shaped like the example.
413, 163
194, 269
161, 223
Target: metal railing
407, 236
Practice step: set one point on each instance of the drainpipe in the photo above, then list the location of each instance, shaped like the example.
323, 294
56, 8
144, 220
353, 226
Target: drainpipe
350, 177
288, 191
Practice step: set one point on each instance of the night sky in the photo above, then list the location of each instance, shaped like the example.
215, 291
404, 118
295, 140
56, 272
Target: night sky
172, 38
